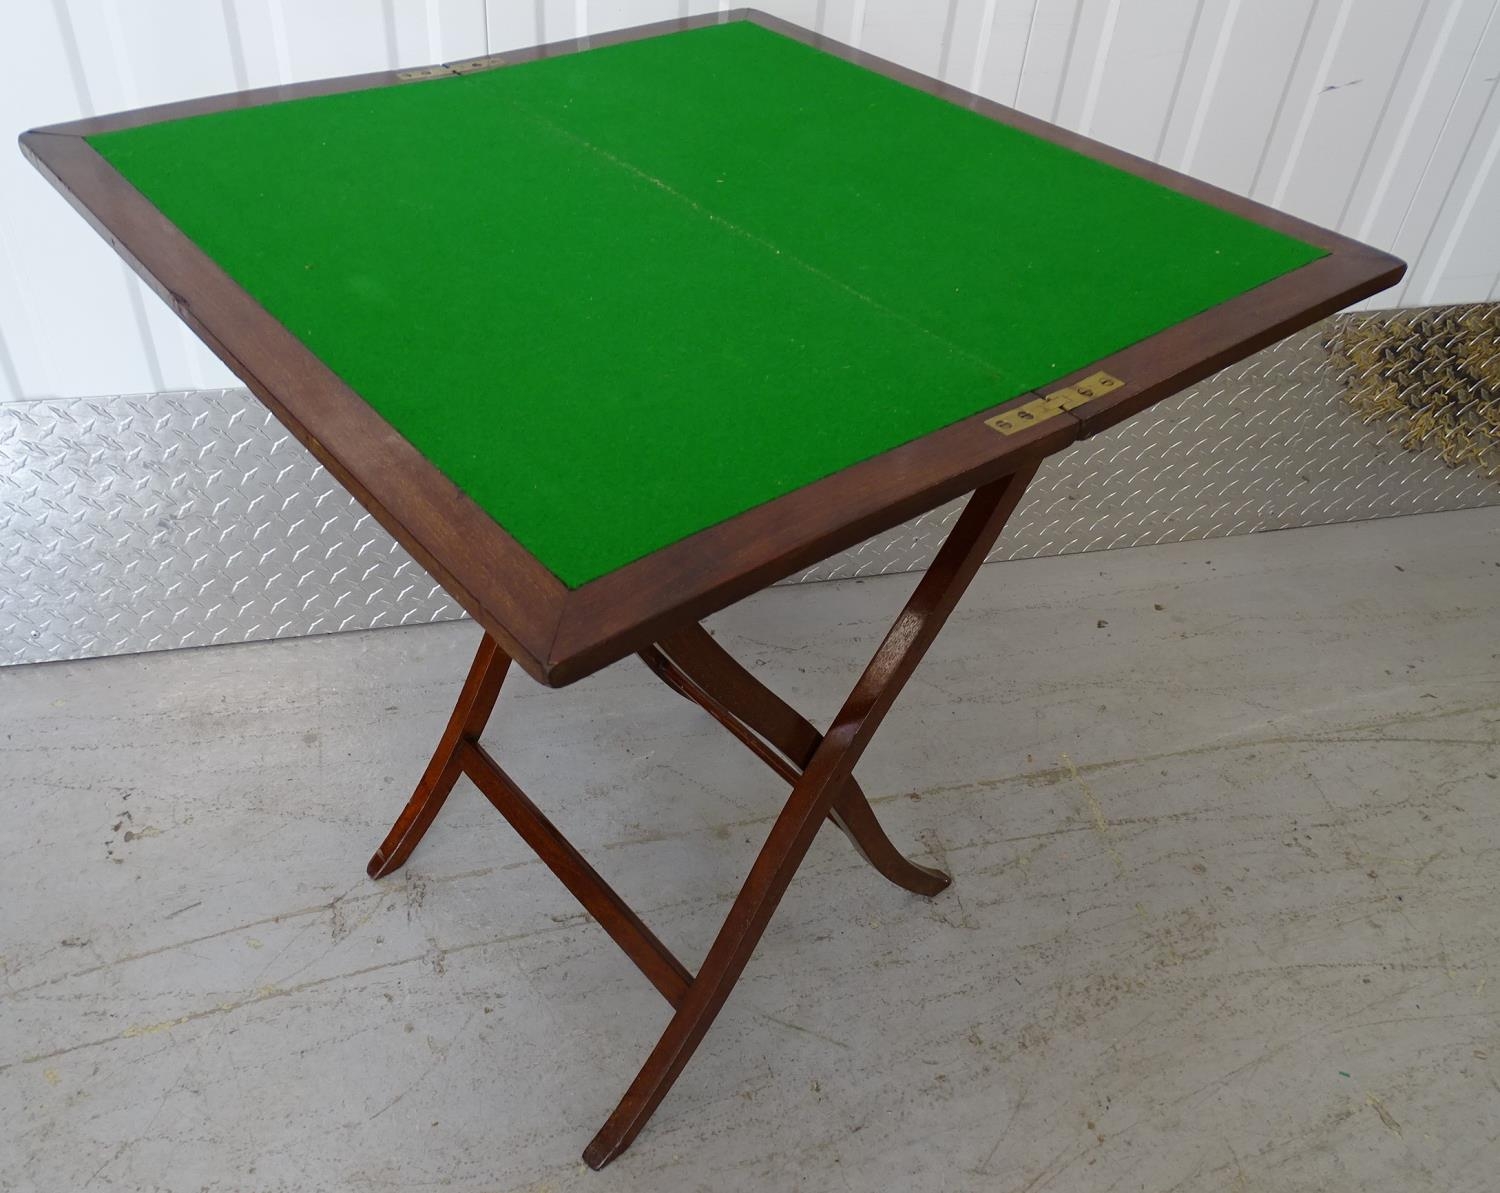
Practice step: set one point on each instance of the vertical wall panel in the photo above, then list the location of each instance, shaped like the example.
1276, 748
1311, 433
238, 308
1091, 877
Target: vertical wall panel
1469, 261
23, 369
604, 15
1052, 34
559, 19
1389, 203
1130, 87
807, 13
1442, 45
1431, 28
1322, 37
914, 35
1458, 142
437, 30
1000, 59
1196, 86
137, 54
512, 24
74, 320
332, 37
130, 63
1463, 252
1334, 108
1265, 41
256, 33
843, 20
1089, 38
516, 23
970, 25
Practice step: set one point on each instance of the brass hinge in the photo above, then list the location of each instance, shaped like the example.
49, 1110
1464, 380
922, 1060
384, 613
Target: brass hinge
473, 65
1028, 415
468, 66
423, 72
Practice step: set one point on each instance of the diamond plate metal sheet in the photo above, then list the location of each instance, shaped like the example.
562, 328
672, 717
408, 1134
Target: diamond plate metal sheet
183, 519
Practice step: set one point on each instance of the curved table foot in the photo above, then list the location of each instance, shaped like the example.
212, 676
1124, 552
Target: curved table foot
475, 703
415, 819
852, 813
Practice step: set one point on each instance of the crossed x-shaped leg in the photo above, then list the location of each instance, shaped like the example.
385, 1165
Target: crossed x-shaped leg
818, 767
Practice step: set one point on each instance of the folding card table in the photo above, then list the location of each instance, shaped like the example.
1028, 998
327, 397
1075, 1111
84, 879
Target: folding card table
610, 334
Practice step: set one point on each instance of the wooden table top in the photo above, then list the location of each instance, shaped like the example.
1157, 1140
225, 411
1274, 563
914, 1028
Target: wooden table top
610, 336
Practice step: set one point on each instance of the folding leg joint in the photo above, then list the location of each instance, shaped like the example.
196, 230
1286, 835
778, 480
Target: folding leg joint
776, 733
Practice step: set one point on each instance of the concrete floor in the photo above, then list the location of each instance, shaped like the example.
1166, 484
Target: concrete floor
1226, 914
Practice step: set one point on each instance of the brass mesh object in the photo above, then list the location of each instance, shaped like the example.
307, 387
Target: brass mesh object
1432, 375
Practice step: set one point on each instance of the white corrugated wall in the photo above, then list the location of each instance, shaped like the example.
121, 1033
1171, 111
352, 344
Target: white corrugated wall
1379, 117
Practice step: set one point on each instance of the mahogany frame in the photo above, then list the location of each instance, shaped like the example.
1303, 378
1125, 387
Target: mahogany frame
653, 606
560, 635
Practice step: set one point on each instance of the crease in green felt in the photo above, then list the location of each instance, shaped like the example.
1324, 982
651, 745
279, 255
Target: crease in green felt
622, 295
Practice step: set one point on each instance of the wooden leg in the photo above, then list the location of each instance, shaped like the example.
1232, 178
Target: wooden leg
811, 800
475, 703
692, 663
599, 899
459, 752
855, 818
